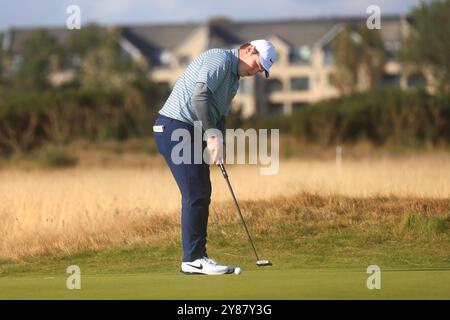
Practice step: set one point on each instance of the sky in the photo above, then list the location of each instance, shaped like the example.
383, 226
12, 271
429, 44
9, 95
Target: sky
33, 13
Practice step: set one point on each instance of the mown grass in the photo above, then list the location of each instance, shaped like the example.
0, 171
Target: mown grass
304, 231
252, 284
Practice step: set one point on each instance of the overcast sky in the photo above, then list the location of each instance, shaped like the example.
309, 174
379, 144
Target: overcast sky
53, 12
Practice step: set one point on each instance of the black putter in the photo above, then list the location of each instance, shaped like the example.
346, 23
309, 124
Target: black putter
259, 263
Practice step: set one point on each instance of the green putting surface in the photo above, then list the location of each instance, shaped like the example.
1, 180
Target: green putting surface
253, 284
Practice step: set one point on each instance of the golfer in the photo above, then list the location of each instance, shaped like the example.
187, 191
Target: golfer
204, 93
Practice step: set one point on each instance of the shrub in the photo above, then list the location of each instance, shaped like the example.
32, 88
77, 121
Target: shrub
51, 157
29, 120
382, 117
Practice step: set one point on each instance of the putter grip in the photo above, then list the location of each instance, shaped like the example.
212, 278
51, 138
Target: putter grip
222, 168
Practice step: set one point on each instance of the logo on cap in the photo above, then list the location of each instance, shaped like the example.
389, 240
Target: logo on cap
267, 53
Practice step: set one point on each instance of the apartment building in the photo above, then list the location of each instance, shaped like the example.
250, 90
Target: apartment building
300, 76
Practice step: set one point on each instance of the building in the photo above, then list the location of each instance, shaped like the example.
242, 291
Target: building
301, 74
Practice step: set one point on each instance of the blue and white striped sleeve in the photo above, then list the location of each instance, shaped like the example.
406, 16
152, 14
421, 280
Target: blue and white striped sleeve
213, 70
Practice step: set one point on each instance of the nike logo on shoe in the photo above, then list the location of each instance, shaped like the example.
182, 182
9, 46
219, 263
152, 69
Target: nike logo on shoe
196, 267
203, 265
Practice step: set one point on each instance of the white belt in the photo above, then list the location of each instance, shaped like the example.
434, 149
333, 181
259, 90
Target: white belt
159, 128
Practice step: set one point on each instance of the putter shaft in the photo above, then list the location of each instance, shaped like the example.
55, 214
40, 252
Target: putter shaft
225, 175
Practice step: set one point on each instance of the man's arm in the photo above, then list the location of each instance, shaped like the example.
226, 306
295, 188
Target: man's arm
222, 127
200, 99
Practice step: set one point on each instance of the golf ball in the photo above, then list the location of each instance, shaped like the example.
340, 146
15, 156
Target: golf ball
237, 270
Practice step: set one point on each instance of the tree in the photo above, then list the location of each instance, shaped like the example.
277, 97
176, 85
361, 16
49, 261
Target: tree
347, 54
83, 40
373, 56
3, 64
359, 58
428, 44
41, 55
106, 65
2, 69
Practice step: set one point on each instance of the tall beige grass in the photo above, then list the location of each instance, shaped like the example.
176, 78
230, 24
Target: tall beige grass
58, 212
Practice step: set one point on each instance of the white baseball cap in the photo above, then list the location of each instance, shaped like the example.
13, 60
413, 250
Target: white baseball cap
267, 53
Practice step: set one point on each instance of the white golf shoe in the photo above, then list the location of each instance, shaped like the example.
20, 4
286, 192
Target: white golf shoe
205, 265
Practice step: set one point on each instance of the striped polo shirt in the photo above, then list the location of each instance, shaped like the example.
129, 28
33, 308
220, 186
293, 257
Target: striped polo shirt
217, 68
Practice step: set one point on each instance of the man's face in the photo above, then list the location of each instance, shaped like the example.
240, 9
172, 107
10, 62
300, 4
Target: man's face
249, 64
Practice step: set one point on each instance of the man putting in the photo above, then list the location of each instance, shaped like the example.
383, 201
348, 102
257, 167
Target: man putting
204, 93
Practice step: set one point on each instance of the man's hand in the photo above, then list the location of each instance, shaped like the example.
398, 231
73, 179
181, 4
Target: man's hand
216, 150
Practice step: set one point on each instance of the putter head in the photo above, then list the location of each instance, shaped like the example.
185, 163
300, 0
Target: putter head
263, 263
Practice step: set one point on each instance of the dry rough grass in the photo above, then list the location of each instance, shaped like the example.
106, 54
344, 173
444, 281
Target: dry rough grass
62, 212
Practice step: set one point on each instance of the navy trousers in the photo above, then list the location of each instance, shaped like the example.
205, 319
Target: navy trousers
194, 183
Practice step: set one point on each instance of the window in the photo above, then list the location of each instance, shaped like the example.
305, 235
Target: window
391, 48
300, 84
165, 57
298, 105
275, 109
416, 80
183, 60
16, 63
245, 86
391, 80
300, 54
74, 61
274, 85
328, 57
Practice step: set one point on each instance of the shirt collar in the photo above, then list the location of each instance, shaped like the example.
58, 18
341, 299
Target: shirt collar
234, 61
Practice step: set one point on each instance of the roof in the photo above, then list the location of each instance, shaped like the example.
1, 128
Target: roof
297, 32
166, 37
17, 36
152, 39
294, 32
